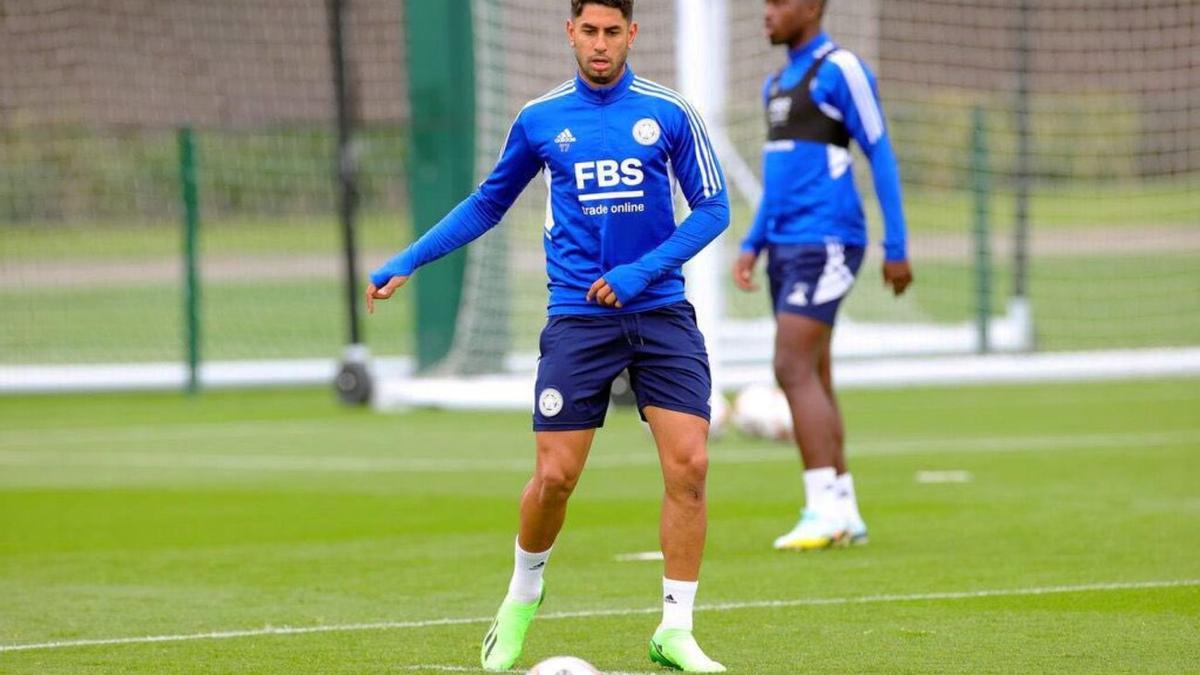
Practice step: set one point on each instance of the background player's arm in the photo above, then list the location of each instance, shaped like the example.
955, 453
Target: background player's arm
756, 238
703, 184
845, 84
474, 216
752, 245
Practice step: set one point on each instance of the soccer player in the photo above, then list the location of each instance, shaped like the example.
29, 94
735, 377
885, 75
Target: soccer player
812, 226
611, 146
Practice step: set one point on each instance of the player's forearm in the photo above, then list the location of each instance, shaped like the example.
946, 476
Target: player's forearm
466, 223
706, 222
756, 238
886, 174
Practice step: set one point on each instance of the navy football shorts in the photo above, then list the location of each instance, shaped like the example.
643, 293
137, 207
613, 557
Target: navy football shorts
812, 280
581, 355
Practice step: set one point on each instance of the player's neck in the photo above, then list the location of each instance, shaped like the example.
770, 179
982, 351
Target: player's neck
807, 35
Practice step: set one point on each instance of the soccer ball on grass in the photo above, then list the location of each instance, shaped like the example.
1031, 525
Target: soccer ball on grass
564, 665
761, 411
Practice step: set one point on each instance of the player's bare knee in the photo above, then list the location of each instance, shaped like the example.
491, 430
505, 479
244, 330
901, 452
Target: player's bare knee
555, 484
792, 372
686, 474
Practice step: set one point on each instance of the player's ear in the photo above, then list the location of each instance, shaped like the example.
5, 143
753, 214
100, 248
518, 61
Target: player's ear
571, 32
633, 31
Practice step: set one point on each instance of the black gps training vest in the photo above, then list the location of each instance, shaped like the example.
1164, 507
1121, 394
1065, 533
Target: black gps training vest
792, 115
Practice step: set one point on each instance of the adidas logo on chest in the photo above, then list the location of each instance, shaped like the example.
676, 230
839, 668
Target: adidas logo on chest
564, 140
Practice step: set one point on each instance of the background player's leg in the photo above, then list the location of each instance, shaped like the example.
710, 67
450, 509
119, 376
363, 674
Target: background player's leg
682, 449
825, 371
802, 369
561, 456
856, 528
800, 345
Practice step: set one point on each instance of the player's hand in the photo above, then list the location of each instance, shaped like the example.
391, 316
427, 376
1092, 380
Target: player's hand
603, 294
384, 293
743, 271
898, 275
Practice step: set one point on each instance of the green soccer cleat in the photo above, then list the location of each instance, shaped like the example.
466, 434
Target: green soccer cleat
504, 640
677, 649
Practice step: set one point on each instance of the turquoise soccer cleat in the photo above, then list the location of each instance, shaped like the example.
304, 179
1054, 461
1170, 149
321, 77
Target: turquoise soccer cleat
813, 533
503, 642
856, 533
677, 649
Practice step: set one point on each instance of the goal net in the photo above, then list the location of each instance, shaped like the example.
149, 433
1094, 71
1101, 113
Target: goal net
92, 101
1048, 152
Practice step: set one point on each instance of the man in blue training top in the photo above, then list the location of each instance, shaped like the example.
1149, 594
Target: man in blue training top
612, 146
811, 223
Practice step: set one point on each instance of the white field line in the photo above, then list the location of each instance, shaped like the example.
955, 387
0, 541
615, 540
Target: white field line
644, 556
173, 432
444, 668
935, 477
718, 454
586, 614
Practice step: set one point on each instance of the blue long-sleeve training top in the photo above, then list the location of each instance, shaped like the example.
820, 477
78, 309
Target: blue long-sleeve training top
823, 98
612, 158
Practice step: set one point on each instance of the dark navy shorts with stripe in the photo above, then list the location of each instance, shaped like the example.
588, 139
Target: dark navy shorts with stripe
581, 355
812, 280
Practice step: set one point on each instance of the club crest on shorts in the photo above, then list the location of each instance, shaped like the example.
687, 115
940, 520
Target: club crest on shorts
550, 402
646, 131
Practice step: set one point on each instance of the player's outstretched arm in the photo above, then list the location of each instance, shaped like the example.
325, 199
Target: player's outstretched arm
387, 291
474, 216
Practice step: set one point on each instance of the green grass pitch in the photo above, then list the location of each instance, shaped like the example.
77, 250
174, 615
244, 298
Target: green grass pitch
1074, 545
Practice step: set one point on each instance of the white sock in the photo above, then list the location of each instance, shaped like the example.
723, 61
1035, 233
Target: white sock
678, 598
526, 582
846, 498
820, 490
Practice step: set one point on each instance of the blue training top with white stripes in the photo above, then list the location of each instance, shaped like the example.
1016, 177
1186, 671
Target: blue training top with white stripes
612, 158
809, 195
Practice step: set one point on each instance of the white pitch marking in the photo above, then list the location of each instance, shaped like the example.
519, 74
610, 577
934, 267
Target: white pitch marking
586, 614
718, 455
454, 669
467, 669
644, 556
933, 477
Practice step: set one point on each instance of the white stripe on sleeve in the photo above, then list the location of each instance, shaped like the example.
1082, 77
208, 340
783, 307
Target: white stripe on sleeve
860, 90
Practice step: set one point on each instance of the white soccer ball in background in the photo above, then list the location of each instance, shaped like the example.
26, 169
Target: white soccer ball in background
761, 411
718, 422
564, 665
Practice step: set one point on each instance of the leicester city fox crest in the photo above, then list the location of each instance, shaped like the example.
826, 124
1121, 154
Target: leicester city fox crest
646, 131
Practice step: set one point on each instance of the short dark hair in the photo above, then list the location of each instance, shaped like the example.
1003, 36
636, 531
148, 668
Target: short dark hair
626, 6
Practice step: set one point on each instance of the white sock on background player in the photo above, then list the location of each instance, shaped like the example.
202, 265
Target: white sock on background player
847, 501
820, 492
